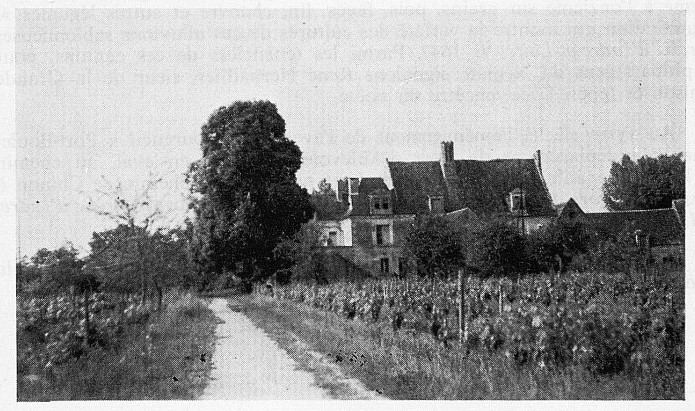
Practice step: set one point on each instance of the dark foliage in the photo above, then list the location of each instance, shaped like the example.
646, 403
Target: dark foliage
325, 202
434, 246
499, 250
246, 194
648, 183
555, 246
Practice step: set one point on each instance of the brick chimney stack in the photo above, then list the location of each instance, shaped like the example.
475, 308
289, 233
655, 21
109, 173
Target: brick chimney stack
451, 178
447, 152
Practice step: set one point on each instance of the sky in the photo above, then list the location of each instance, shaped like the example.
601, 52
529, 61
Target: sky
111, 96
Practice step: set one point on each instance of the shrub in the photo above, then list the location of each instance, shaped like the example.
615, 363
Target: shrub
499, 250
556, 245
434, 246
616, 254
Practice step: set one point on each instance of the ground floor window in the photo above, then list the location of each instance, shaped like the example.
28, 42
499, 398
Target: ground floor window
384, 265
402, 266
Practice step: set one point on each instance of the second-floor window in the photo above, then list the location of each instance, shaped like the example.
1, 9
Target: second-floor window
383, 234
380, 205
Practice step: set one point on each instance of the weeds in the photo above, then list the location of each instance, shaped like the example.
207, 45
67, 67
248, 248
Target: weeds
157, 358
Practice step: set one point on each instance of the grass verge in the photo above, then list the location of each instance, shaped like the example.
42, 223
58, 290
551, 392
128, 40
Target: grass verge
401, 365
328, 375
162, 359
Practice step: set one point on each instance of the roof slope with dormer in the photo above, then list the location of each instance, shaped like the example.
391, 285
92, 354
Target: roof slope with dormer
482, 186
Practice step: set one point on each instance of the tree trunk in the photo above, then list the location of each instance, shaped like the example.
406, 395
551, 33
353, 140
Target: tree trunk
87, 327
160, 294
141, 261
73, 296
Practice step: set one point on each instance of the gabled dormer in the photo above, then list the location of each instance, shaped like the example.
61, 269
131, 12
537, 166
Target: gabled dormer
570, 210
380, 202
517, 201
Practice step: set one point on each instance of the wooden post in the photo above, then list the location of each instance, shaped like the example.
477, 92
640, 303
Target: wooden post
463, 315
434, 295
499, 296
461, 308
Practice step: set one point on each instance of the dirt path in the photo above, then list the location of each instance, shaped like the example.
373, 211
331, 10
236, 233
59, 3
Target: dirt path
248, 365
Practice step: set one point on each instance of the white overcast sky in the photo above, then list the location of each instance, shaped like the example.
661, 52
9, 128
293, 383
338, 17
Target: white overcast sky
121, 93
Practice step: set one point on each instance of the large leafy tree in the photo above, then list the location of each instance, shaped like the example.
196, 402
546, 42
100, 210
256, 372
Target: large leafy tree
648, 183
246, 196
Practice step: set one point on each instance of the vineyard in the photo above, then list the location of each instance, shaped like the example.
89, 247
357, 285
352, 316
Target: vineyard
122, 348
53, 331
605, 324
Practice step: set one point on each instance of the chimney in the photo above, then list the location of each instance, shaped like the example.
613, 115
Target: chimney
353, 188
537, 160
447, 152
451, 178
342, 192
354, 185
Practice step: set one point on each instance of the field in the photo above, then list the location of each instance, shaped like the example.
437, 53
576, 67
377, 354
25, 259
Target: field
577, 336
121, 350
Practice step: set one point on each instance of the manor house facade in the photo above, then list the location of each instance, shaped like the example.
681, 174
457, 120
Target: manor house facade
371, 232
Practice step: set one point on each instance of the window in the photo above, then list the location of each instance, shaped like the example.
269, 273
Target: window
383, 234
384, 265
402, 266
379, 204
517, 200
332, 238
436, 205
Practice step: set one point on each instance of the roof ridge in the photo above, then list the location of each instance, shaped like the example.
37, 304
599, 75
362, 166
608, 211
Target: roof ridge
631, 211
460, 159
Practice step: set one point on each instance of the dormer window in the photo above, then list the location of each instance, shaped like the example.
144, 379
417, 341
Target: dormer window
517, 200
380, 204
436, 204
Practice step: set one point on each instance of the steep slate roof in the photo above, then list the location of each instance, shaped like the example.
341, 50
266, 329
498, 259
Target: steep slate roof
482, 186
662, 225
413, 182
367, 187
